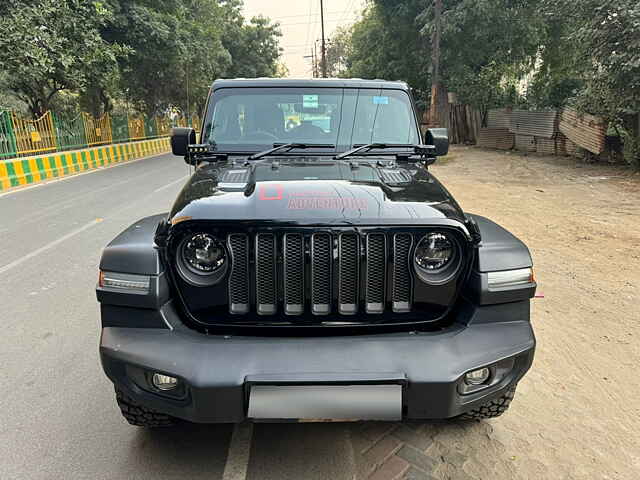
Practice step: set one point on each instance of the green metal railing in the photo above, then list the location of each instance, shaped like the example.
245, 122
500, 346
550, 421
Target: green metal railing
70, 132
119, 128
23, 137
7, 138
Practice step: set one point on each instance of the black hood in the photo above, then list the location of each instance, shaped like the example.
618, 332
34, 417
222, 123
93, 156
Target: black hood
316, 191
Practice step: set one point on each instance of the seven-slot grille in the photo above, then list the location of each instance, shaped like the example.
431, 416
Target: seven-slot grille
325, 272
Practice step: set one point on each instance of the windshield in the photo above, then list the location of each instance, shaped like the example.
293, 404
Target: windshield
252, 119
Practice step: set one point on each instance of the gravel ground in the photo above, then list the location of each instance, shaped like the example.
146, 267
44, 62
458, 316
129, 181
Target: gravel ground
576, 414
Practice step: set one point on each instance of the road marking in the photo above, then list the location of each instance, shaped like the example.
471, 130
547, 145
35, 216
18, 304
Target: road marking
181, 179
239, 451
48, 246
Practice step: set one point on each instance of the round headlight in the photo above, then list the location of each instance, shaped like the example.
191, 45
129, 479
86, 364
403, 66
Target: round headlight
201, 259
434, 252
204, 253
437, 258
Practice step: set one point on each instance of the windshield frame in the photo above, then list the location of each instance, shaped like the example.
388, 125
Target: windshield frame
341, 146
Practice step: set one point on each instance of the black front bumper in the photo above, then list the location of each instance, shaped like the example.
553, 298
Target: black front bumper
218, 370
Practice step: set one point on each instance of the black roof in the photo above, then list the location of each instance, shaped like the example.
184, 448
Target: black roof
309, 83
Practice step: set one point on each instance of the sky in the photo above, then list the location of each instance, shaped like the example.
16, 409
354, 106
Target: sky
300, 25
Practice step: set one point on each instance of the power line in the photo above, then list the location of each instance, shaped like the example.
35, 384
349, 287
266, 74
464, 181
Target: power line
337, 12
344, 13
336, 21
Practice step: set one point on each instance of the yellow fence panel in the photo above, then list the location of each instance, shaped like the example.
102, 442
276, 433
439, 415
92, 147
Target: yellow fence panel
195, 122
34, 136
163, 126
97, 130
136, 128
180, 121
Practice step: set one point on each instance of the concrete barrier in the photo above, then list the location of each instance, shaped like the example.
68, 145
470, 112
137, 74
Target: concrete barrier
30, 170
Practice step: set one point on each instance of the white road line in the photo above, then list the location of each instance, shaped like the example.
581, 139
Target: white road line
48, 246
181, 179
239, 451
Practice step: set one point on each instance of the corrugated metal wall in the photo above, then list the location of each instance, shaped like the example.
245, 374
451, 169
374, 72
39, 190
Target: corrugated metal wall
525, 143
499, 118
498, 138
534, 123
544, 132
585, 130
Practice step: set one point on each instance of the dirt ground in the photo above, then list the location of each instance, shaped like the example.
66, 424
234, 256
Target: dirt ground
576, 414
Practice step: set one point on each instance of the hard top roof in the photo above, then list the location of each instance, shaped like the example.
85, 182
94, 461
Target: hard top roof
309, 83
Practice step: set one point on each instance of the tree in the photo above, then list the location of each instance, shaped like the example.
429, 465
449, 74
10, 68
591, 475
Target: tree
486, 44
387, 43
339, 52
180, 47
253, 45
54, 45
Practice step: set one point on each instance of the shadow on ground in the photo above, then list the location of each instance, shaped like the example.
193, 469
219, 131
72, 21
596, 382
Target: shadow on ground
184, 451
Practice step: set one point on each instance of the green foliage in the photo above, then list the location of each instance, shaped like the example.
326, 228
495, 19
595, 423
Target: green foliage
180, 47
486, 46
151, 55
339, 52
610, 38
387, 43
253, 46
47, 46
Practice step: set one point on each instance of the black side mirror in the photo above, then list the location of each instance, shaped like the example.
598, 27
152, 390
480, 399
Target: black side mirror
439, 138
181, 138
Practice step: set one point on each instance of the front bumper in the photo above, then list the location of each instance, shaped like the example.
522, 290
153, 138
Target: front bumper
218, 371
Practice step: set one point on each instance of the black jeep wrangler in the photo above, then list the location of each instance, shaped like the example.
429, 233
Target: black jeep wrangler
313, 268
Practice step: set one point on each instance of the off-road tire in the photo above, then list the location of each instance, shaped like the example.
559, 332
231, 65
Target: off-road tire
491, 409
141, 416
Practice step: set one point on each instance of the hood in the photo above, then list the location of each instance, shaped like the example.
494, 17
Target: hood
316, 191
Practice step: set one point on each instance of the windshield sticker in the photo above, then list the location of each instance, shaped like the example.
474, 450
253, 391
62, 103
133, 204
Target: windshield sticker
310, 101
381, 100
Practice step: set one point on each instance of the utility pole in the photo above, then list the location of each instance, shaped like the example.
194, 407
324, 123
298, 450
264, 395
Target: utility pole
188, 119
434, 110
324, 48
316, 71
313, 64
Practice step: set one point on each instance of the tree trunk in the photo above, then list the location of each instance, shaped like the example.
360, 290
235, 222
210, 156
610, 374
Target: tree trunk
439, 108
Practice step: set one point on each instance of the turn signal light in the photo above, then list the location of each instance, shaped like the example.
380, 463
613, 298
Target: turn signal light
510, 278
125, 282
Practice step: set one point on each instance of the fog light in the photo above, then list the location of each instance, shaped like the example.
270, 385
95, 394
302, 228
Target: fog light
477, 377
164, 382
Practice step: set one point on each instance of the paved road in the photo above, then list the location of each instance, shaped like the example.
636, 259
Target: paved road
58, 417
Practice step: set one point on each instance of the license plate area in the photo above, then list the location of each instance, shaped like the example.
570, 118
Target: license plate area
343, 400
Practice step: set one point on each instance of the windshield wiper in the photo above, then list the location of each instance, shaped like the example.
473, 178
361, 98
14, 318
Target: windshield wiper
421, 150
285, 147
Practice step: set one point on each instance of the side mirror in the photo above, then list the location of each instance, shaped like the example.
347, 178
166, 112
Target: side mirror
439, 138
181, 138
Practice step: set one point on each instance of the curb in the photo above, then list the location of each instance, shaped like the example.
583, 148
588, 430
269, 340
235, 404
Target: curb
31, 170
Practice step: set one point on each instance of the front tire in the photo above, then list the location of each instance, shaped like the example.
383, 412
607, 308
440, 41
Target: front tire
141, 416
491, 409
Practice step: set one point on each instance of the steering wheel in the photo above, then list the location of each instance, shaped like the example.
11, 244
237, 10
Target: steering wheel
259, 135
